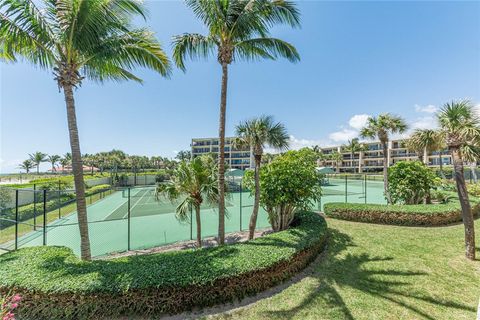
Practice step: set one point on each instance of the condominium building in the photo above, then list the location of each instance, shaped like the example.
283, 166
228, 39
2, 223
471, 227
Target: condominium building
372, 159
236, 158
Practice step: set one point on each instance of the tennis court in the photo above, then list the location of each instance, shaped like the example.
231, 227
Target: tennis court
152, 222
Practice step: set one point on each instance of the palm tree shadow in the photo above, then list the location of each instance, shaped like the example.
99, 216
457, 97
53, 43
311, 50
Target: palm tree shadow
337, 270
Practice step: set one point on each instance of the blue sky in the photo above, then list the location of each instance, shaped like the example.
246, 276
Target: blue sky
357, 59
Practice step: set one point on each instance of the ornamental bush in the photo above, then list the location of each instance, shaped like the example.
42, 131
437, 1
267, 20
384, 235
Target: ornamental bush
55, 284
412, 215
410, 182
288, 184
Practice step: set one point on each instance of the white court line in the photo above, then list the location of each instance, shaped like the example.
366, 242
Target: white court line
111, 212
135, 204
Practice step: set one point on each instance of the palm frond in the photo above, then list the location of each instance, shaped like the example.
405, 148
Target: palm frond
270, 48
136, 48
192, 45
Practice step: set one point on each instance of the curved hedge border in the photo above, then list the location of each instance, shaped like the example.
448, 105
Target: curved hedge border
55, 284
406, 215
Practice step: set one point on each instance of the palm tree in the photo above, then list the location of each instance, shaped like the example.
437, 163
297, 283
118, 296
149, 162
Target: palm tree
53, 159
257, 134
194, 182
238, 30
183, 155
460, 127
354, 146
37, 158
337, 158
26, 165
380, 128
321, 157
426, 140
64, 162
75, 40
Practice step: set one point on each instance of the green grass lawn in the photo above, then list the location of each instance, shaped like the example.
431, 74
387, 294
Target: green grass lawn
381, 272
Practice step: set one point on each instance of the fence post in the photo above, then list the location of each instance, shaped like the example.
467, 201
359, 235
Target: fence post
16, 219
346, 188
128, 222
365, 184
191, 224
241, 193
34, 207
59, 204
44, 217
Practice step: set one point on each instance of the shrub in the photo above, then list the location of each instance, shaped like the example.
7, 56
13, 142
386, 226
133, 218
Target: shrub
55, 284
5, 198
410, 182
288, 184
56, 185
97, 188
8, 304
440, 196
474, 189
412, 215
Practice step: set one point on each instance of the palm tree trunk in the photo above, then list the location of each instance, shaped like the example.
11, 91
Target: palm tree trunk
465, 204
77, 169
385, 171
199, 226
221, 158
256, 203
38, 168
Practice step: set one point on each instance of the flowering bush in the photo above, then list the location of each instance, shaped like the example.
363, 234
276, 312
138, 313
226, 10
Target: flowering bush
8, 303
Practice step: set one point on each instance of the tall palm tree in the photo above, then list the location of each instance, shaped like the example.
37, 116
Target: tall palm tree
193, 183
354, 146
53, 159
460, 126
237, 29
337, 158
27, 165
380, 128
75, 40
259, 133
37, 158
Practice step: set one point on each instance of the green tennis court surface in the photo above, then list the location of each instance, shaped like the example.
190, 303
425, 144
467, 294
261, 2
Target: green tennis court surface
153, 222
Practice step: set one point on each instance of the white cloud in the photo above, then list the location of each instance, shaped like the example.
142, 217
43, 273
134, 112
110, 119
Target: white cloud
477, 109
358, 121
426, 109
428, 122
296, 143
343, 135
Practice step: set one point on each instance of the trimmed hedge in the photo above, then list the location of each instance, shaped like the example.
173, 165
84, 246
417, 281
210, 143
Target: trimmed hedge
55, 284
407, 215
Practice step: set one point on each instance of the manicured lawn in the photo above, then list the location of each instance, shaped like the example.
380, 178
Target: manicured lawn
381, 272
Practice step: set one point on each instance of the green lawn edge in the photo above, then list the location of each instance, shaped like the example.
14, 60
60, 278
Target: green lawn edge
55, 283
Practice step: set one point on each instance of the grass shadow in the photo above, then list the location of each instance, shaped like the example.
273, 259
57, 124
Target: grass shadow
362, 272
